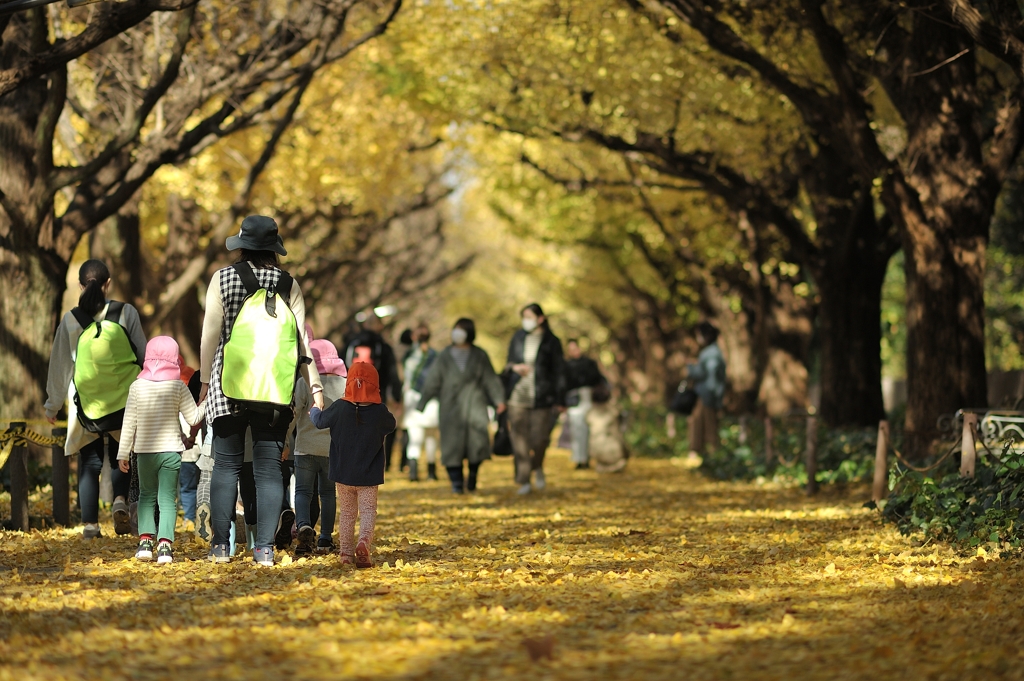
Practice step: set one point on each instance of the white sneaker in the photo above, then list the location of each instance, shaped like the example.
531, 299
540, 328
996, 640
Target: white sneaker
164, 554
538, 479
524, 489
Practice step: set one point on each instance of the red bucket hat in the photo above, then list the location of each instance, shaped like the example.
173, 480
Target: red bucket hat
363, 384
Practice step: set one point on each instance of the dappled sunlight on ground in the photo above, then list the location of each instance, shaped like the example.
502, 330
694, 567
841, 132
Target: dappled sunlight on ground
655, 573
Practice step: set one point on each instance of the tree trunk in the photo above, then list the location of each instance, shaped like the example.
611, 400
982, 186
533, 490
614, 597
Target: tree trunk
32, 283
32, 274
855, 255
945, 271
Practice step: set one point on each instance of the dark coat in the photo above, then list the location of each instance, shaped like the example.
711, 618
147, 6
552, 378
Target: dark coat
463, 397
357, 449
582, 373
383, 360
549, 368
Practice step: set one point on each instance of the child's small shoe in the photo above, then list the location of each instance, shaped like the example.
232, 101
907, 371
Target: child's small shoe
325, 547
164, 554
345, 559
145, 550
363, 559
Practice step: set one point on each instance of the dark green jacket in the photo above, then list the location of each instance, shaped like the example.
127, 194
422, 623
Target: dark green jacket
463, 397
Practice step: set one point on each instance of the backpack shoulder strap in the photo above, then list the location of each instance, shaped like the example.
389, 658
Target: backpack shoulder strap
81, 317
284, 286
248, 277
114, 311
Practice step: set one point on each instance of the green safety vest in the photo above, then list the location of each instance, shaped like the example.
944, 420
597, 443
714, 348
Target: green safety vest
261, 355
106, 365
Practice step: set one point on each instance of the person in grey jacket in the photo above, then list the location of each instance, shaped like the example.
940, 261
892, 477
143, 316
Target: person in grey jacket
707, 376
462, 379
311, 448
92, 448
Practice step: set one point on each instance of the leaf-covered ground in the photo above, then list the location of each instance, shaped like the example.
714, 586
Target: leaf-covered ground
655, 573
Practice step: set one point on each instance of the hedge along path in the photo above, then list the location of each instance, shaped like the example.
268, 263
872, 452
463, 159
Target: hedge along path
655, 573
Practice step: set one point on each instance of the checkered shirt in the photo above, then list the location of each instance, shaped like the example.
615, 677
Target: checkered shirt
232, 295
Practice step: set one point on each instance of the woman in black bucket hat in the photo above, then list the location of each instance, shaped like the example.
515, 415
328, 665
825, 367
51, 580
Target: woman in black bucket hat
260, 245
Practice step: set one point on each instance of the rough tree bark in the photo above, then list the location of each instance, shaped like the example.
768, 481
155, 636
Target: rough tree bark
33, 266
268, 58
961, 110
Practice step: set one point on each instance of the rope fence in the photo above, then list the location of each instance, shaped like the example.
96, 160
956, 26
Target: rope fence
967, 445
14, 441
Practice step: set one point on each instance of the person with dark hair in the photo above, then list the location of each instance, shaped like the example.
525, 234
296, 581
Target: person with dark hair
226, 299
68, 365
368, 345
707, 376
464, 383
420, 426
535, 386
581, 376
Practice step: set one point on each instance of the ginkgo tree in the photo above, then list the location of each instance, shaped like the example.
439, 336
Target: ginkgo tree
93, 101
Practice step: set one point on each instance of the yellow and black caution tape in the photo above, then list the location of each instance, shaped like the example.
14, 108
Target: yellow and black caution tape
10, 439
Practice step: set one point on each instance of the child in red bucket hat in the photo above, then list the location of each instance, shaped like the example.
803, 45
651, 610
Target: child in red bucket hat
359, 422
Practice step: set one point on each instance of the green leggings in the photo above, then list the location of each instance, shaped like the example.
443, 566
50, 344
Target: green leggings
158, 485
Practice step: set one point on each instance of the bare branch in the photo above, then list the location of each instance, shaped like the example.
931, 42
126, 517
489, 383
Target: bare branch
108, 21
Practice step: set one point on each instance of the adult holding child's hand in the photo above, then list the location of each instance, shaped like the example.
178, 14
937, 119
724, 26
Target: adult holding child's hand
254, 341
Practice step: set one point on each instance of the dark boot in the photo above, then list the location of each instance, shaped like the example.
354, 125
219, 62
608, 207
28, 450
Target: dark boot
455, 475
413, 470
432, 471
471, 479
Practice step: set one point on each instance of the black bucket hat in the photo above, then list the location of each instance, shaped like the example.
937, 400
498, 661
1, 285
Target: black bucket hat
258, 233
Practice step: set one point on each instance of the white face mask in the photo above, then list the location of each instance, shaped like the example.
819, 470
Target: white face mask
459, 336
529, 324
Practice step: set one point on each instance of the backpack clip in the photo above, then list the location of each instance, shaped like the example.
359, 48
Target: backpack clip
271, 304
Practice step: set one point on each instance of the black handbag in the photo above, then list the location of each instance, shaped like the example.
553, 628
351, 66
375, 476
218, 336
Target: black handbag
684, 401
502, 439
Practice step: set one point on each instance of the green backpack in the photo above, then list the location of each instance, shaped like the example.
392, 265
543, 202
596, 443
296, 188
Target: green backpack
106, 365
261, 355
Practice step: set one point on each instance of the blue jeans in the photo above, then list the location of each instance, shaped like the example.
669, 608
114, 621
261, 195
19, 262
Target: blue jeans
228, 458
307, 469
90, 463
188, 483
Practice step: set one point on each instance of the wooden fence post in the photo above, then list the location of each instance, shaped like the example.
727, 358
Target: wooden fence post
769, 435
880, 487
19, 482
968, 451
60, 483
811, 460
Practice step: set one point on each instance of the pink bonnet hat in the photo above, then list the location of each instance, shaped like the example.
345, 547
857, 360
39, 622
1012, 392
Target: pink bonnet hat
161, 360
326, 357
